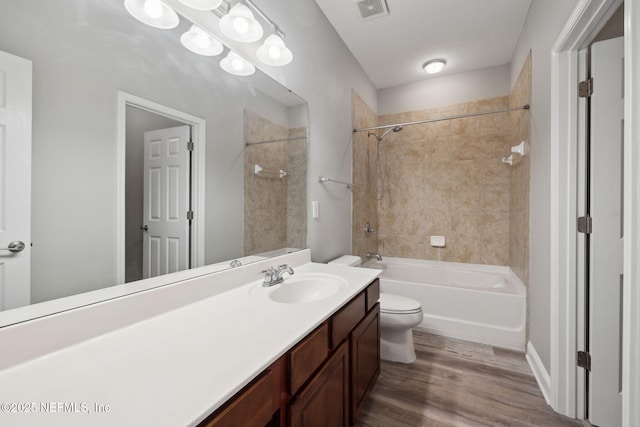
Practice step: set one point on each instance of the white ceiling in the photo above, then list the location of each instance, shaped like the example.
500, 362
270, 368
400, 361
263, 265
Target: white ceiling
469, 34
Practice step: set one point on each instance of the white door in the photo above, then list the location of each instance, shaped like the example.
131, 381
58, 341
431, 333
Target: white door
15, 181
607, 112
166, 201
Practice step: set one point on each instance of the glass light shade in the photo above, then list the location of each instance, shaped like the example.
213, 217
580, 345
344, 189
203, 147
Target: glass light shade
197, 41
236, 65
434, 66
153, 13
202, 4
274, 52
240, 25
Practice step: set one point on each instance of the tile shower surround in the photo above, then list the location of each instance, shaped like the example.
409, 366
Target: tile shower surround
274, 212
447, 178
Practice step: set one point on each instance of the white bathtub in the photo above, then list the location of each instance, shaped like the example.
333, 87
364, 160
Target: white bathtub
480, 303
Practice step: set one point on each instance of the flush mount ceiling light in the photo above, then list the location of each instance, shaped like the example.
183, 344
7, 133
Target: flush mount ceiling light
274, 52
240, 25
202, 4
197, 41
153, 13
236, 65
434, 66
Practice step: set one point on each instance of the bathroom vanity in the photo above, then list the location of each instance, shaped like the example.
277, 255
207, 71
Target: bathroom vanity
323, 380
214, 350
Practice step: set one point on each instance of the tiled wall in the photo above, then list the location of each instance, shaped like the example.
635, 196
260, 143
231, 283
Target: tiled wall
274, 207
365, 207
519, 179
446, 178
297, 189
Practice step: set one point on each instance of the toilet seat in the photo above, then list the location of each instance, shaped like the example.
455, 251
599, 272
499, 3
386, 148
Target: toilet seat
397, 304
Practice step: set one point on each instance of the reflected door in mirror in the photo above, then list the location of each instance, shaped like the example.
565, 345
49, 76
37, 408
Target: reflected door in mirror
166, 201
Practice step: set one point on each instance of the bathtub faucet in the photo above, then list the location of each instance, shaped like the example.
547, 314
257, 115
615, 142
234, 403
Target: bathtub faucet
374, 255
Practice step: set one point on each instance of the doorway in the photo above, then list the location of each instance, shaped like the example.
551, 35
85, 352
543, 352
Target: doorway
168, 134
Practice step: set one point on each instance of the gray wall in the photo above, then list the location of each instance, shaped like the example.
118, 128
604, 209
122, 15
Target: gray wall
544, 22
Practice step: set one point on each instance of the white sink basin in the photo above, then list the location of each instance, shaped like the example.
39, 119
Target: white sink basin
306, 287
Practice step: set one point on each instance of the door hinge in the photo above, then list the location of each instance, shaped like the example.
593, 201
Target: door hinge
585, 88
585, 224
584, 360
190, 146
189, 215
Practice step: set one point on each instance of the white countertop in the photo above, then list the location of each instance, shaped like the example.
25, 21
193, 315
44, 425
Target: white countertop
169, 370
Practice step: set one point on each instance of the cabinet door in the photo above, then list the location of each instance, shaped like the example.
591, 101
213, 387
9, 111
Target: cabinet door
325, 400
365, 360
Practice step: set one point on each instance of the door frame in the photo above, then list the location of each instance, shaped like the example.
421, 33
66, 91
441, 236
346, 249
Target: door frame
565, 390
198, 136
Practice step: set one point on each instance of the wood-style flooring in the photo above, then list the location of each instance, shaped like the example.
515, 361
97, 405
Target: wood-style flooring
458, 383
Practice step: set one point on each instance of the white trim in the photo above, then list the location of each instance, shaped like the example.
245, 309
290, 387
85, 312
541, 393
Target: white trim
585, 18
539, 372
199, 138
631, 283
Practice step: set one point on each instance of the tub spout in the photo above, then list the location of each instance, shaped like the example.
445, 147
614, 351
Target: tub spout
374, 255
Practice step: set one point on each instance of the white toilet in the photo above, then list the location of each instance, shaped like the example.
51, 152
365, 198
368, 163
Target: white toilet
398, 315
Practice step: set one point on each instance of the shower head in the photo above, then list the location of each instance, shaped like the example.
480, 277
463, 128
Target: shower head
393, 129
381, 137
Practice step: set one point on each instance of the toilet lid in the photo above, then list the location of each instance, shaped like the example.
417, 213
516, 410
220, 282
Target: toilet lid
391, 303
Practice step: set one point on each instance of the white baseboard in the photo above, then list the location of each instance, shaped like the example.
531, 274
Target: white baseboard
539, 372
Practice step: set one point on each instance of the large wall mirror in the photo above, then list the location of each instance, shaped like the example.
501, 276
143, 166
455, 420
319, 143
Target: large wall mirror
109, 94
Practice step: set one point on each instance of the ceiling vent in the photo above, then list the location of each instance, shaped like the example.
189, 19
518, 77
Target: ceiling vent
370, 9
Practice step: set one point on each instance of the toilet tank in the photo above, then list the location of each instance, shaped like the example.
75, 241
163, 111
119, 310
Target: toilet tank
350, 260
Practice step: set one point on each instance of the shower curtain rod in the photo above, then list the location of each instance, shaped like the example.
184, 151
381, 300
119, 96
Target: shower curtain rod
275, 140
440, 119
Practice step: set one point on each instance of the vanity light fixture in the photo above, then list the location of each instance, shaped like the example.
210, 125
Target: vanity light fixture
202, 4
197, 41
434, 66
236, 65
153, 13
274, 52
240, 24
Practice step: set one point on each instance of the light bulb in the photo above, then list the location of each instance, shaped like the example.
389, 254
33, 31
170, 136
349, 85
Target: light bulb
241, 25
153, 13
237, 64
197, 41
202, 40
153, 8
274, 52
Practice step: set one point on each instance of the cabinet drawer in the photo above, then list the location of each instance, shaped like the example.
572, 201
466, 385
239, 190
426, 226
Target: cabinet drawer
346, 319
373, 294
252, 407
307, 356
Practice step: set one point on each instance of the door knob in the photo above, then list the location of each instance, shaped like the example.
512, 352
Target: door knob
145, 228
15, 247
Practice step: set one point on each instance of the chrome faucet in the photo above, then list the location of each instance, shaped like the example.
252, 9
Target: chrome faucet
235, 263
374, 255
273, 275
